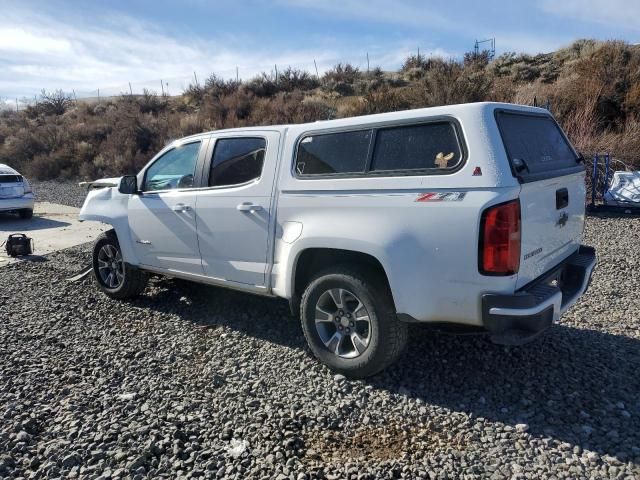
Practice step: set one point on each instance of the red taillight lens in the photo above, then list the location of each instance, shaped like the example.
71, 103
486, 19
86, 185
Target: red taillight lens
500, 239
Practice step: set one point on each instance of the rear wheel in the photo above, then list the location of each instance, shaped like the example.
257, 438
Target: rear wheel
114, 276
349, 321
26, 213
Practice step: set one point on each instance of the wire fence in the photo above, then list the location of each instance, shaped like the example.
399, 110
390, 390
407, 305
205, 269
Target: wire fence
161, 86
176, 85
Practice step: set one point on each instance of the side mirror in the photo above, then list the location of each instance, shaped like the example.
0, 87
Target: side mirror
128, 185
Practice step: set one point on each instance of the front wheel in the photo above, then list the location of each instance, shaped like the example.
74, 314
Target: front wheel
114, 276
349, 321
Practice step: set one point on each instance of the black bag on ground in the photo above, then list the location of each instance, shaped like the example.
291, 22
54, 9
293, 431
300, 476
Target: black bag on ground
18, 244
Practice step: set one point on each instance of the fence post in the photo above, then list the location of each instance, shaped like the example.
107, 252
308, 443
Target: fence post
605, 184
594, 180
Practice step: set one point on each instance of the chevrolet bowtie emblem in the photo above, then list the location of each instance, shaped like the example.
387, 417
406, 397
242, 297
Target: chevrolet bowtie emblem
562, 221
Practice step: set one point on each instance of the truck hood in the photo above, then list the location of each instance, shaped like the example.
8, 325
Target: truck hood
102, 183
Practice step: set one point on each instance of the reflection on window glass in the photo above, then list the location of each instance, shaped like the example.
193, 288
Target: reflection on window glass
537, 141
333, 153
237, 160
415, 147
175, 169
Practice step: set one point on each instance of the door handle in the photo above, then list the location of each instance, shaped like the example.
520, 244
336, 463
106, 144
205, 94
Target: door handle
180, 207
249, 207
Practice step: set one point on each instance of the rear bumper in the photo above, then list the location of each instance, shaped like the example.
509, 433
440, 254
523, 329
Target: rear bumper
18, 203
518, 318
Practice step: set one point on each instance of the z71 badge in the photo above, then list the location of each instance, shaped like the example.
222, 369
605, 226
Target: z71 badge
441, 197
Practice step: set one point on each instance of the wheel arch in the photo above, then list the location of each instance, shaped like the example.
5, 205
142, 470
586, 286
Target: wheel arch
108, 206
311, 260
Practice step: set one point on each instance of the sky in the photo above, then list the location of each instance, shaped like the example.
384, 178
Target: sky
84, 46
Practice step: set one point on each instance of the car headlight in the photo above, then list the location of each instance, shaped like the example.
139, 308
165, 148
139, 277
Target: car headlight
27, 186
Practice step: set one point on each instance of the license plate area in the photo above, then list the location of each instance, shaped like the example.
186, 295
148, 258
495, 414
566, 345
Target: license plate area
9, 192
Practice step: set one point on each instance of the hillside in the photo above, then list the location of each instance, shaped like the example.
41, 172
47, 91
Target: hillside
593, 88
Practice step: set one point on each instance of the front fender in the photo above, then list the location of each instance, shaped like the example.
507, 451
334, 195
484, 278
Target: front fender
107, 205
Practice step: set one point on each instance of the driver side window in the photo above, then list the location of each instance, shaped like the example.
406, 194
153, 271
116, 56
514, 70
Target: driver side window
175, 169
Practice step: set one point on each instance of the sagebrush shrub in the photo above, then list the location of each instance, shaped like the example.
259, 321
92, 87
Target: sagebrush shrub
592, 88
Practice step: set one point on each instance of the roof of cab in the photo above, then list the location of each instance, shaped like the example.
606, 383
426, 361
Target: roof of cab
382, 117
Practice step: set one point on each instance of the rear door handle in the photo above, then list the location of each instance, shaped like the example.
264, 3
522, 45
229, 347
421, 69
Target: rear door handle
249, 207
180, 207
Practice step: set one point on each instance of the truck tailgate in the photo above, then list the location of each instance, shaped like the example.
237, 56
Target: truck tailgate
552, 213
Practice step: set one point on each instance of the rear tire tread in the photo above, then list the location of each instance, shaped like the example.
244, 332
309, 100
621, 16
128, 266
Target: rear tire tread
393, 333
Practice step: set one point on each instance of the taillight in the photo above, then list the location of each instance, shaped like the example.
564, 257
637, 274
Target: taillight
27, 185
500, 239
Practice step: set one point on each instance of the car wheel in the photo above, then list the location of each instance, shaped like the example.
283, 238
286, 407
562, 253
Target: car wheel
349, 321
114, 276
26, 213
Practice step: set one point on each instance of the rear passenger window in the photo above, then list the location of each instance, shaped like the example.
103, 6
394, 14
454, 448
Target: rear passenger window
333, 153
236, 161
416, 147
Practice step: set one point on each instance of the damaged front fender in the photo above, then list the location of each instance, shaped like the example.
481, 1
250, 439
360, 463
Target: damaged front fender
106, 205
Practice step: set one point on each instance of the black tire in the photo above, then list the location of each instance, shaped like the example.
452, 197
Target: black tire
132, 281
26, 213
388, 335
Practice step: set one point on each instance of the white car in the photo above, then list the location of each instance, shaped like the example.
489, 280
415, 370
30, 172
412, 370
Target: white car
15, 193
467, 215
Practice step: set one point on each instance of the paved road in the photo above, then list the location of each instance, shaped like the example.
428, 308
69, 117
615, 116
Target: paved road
53, 227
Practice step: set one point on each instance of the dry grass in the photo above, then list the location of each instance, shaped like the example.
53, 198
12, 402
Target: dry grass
593, 88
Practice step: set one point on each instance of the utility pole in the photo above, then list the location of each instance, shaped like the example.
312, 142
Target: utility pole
492, 47
162, 87
316, 65
276, 68
237, 75
196, 77
17, 109
130, 89
367, 62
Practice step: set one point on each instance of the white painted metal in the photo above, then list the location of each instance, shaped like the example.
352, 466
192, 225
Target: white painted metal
251, 236
163, 229
12, 194
233, 222
543, 230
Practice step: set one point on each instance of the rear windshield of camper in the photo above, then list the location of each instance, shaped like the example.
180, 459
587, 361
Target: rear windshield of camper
535, 145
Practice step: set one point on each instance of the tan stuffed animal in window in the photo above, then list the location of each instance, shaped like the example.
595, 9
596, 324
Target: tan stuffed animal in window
442, 160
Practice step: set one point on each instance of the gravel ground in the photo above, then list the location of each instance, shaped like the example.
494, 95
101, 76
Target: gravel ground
194, 381
65, 192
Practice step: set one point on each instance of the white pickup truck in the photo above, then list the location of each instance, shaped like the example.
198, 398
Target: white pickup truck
466, 215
